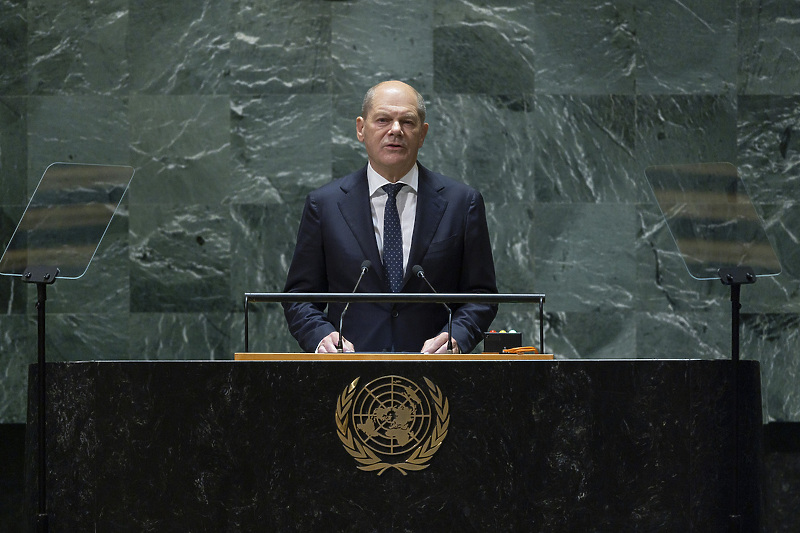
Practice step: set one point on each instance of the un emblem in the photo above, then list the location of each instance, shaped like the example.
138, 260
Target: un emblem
393, 425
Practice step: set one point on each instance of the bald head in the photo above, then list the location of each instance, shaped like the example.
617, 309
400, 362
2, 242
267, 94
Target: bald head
393, 85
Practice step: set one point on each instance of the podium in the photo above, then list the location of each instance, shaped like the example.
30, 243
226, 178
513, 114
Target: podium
512, 445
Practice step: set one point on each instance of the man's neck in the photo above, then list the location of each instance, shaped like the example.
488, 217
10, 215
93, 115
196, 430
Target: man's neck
391, 175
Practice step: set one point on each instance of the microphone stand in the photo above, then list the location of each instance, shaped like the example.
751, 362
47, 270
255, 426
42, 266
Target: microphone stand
365, 266
420, 273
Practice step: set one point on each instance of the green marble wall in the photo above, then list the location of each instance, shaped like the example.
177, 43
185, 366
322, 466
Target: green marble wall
231, 111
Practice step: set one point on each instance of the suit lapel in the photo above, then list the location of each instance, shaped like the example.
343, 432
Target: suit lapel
356, 212
430, 210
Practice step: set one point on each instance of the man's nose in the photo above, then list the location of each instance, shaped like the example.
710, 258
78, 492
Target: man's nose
396, 129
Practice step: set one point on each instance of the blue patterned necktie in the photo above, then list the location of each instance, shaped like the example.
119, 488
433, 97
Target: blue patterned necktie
392, 238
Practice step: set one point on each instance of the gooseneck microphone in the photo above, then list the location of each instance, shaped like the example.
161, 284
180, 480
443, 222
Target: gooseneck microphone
365, 266
420, 273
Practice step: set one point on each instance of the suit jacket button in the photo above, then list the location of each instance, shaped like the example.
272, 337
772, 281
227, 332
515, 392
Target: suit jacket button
395, 314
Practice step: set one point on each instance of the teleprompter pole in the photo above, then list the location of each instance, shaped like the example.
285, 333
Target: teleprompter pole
735, 278
42, 277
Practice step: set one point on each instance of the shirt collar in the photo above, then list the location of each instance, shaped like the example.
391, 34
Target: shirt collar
376, 181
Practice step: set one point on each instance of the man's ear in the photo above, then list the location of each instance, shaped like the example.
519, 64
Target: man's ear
424, 133
360, 129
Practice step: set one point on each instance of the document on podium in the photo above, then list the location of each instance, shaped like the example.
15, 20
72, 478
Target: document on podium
712, 219
66, 219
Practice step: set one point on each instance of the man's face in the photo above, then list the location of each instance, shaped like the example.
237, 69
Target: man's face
392, 131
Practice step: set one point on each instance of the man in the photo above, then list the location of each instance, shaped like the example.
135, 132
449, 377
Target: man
431, 221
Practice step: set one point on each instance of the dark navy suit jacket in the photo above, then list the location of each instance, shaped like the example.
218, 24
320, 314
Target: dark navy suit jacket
450, 242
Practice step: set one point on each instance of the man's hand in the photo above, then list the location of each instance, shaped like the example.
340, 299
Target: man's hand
330, 344
438, 344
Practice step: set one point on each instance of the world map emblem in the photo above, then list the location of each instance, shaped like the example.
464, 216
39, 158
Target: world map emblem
391, 422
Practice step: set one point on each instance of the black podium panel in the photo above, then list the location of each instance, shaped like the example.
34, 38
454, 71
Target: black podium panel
628, 445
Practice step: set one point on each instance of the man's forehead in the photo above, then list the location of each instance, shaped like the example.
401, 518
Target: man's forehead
407, 109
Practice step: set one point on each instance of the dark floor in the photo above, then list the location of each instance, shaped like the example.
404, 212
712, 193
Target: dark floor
781, 477
12, 459
781, 472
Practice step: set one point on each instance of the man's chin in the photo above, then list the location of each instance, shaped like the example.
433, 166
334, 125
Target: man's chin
394, 154
396, 159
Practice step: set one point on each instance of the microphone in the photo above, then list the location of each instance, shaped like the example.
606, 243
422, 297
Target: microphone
420, 273
365, 266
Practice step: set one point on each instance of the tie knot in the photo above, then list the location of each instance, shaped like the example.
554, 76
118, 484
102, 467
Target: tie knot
392, 189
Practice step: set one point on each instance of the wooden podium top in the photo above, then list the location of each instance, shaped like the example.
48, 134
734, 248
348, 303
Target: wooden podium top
356, 356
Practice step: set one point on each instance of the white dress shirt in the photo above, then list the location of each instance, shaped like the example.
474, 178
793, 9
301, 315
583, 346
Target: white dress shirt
406, 207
